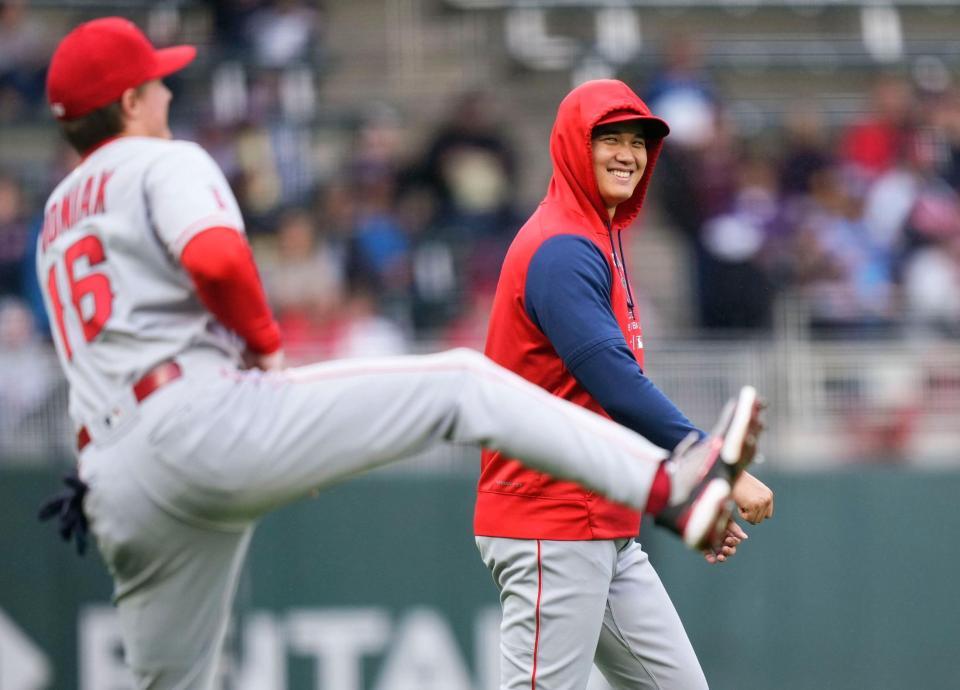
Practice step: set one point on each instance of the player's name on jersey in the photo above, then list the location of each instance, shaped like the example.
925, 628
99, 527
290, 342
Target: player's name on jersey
83, 198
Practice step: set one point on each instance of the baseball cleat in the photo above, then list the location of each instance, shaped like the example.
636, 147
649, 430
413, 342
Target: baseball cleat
741, 427
702, 473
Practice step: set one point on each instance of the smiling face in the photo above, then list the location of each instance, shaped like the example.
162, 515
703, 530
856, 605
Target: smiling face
619, 159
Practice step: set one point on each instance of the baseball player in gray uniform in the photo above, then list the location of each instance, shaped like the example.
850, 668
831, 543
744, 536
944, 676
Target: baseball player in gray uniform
188, 426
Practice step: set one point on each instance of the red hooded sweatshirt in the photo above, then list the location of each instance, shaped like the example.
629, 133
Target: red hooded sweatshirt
514, 501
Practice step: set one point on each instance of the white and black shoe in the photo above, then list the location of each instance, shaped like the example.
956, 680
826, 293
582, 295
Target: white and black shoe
702, 473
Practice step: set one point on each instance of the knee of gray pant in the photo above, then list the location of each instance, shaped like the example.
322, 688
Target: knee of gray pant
467, 360
470, 370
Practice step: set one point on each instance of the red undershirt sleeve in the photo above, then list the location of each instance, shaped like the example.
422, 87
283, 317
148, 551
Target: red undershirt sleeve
659, 492
221, 265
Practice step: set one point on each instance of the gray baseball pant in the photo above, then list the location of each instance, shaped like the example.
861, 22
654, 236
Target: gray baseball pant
177, 483
569, 604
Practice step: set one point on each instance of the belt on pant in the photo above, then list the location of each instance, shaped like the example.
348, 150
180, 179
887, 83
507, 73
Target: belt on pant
152, 381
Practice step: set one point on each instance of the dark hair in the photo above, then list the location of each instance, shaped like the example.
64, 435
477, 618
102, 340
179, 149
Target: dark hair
83, 133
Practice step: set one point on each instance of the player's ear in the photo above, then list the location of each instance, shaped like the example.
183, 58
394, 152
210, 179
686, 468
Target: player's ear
129, 103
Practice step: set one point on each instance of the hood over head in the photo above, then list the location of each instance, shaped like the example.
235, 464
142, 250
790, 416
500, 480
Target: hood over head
601, 101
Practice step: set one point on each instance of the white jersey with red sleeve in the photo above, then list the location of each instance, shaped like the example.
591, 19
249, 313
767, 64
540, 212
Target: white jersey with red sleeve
108, 255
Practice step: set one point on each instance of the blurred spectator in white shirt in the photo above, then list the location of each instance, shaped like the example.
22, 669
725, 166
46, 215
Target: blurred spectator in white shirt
28, 376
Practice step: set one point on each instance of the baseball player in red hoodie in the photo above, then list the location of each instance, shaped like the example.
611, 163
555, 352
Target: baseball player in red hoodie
189, 429
575, 587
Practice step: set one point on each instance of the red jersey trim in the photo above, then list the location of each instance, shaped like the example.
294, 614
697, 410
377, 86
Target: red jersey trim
99, 145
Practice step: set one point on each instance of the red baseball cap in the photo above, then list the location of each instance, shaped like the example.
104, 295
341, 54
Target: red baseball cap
99, 60
652, 126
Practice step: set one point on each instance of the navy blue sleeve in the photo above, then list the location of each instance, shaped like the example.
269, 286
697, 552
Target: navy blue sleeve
567, 295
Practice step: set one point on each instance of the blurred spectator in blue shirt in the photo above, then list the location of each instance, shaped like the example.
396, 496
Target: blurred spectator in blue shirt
843, 270
24, 51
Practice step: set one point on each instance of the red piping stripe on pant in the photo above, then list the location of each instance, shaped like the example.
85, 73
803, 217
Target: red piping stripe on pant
536, 639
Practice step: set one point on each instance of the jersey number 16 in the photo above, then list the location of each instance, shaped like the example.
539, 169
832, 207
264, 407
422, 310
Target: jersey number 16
93, 284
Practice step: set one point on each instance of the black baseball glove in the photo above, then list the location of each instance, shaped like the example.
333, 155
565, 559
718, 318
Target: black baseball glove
67, 507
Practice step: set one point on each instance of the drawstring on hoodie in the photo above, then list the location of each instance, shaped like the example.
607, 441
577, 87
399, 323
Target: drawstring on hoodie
621, 264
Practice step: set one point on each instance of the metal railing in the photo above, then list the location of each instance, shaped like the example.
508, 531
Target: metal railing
894, 401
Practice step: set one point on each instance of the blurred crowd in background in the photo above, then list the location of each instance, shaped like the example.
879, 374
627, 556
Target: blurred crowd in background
862, 221
387, 249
